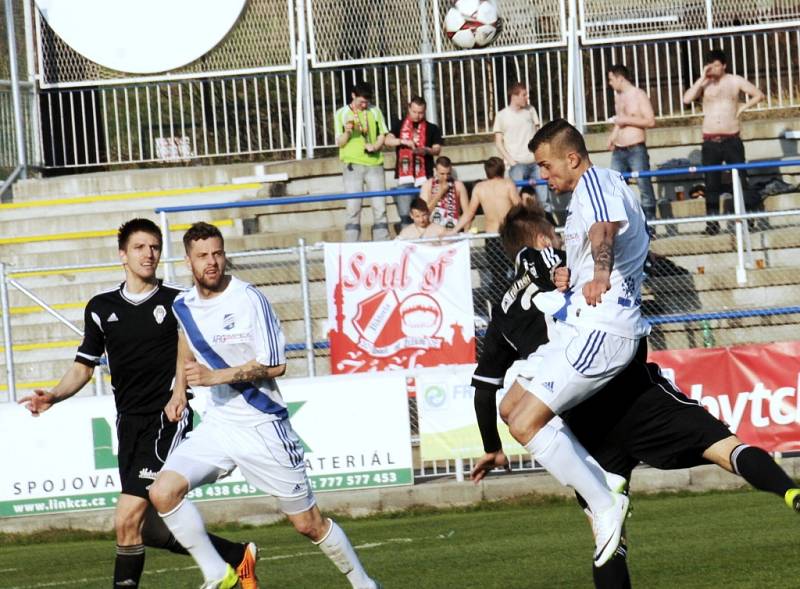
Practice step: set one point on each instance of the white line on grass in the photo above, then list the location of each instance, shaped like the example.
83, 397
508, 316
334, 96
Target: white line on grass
365, 546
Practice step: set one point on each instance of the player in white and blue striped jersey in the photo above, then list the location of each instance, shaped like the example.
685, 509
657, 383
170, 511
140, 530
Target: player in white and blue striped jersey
599, 324
231, 341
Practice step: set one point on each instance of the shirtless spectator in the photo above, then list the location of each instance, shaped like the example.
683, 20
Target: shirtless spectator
721, 111
421, 226
495, 195
445, 196
634, 115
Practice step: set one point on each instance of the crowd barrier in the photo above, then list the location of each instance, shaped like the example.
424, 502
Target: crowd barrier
702, 292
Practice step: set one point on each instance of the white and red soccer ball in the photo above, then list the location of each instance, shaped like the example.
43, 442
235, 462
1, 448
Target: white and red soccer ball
472, 24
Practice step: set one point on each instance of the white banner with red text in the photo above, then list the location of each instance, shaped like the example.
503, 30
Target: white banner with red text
396, 305
354, 431
753, 389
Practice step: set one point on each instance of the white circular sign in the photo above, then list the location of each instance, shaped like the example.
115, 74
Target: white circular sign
141, 36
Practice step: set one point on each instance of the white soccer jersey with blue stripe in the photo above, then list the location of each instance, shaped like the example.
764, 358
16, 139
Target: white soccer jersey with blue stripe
231, 329
603, 196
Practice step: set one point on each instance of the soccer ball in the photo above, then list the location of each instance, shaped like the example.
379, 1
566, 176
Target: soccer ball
472, 23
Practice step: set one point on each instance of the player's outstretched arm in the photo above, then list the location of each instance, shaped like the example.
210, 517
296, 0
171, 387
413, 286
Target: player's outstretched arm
199, 375
487, 463
486, 412
73, 380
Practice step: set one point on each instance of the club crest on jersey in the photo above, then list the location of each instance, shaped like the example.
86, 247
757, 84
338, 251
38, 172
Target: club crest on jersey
159, 313
228, 322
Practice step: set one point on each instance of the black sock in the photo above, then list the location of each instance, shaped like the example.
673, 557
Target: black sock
128, 565
231, 552
759, 469
614, 574
156, 534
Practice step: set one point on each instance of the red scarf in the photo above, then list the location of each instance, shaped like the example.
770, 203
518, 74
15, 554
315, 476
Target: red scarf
445, 212
411, 166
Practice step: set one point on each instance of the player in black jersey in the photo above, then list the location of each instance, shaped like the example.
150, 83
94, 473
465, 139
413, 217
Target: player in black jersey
133, 325
638, 417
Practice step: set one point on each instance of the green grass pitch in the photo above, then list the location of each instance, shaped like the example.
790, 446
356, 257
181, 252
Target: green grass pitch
727, 540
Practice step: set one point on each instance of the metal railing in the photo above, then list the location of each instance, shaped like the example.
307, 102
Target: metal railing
257, 95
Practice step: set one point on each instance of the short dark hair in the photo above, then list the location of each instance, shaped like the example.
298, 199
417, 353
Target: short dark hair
419, 204
717, 55
418, 100
494, 167
561, 135
521, 226
445, 161
135, 225
620, 70
516, 88
200, 231
362, 90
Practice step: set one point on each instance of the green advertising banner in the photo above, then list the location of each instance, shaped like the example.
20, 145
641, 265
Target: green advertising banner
355, 433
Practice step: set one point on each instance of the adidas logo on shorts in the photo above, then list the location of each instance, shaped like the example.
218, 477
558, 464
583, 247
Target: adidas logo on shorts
548, 385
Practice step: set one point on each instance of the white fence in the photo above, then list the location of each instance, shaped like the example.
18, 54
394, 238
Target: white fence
666, 68
258, 91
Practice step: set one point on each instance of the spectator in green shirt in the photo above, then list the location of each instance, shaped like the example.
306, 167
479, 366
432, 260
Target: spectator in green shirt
360, 132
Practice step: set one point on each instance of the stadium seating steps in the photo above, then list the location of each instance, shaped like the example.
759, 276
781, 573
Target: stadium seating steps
40, 229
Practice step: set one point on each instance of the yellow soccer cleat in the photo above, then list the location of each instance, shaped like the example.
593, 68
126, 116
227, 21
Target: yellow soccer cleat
792, 498
229, 581
247, 568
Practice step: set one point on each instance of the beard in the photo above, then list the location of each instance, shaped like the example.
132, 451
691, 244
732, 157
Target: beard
212, 283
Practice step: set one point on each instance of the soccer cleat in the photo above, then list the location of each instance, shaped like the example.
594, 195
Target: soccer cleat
617, 483
247, 568
229, 581
607, 527
792, 498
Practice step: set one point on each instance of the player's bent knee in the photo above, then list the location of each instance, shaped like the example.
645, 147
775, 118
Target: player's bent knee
310, 524
168, 490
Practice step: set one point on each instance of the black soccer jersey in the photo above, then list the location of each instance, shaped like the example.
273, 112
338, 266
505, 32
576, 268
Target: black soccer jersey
517, 327
140, 340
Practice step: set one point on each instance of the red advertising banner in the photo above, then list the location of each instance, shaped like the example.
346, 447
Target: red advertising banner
753, 389
397, 305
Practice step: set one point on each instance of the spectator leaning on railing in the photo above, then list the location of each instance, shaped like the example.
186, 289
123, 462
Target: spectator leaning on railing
721, 141
421, 226
360, 132
416, 141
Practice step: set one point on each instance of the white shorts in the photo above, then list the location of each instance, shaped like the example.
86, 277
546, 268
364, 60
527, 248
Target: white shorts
270, 457
575, 364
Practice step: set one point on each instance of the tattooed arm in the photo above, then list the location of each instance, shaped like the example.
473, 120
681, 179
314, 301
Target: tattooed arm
601, 237
199, 375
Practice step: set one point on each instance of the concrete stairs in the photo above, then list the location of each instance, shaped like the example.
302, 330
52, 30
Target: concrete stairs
60, 209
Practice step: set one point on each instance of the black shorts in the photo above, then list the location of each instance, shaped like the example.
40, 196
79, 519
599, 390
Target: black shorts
145, 441
661, 427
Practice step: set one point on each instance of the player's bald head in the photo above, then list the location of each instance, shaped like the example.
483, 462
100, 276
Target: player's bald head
562, 138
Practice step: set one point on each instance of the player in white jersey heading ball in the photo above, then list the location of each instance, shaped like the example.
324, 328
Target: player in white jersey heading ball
231, 341
599, 325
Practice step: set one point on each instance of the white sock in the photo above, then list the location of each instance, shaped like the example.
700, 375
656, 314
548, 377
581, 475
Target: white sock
337, 547
567, 460
186, 524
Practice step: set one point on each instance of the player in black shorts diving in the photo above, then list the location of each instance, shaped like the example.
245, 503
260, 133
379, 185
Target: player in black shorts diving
133, 325
639, 416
